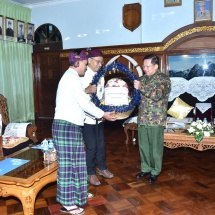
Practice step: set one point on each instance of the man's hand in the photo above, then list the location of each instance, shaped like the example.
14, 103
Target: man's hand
111, 116
137, 84
91, 89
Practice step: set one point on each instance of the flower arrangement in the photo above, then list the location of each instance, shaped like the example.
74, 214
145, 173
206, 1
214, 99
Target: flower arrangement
200, 129
135, 98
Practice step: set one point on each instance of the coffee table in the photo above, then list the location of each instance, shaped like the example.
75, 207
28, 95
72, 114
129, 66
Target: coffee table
175, 140
27, 180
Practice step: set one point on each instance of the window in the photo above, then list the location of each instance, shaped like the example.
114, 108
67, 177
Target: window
47, 33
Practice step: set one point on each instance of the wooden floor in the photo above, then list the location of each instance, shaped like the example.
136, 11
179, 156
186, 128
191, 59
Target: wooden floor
186, 185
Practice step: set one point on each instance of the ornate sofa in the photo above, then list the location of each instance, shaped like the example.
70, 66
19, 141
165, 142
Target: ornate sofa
30, 134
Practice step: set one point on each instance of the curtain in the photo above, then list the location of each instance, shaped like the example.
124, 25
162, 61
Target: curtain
16, 77
16, 74
15, 11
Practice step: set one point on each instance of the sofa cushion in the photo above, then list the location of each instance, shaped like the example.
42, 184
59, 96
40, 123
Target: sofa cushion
179, 109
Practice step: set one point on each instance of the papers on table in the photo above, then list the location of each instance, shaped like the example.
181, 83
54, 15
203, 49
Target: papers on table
10, 164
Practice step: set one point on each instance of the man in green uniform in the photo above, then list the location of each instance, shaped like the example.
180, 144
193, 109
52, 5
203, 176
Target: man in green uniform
154, 87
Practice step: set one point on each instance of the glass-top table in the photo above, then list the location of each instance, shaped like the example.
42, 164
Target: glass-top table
27, 180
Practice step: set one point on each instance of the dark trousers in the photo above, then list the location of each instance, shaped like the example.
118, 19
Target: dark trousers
151, 146
95, 147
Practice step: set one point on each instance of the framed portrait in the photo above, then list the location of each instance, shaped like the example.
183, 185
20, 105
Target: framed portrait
203, 10
9, 27
1, 26
20, 31
30, 33
169, 3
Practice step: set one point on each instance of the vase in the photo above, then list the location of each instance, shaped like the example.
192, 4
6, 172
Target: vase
199, 138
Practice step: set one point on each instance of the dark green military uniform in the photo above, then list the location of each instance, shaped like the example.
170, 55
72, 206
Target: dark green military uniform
152, 120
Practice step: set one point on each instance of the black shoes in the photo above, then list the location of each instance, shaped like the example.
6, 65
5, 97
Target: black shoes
152, 178
142, 174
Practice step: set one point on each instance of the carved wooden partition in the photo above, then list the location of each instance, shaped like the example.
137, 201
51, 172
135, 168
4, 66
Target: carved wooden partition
196, 38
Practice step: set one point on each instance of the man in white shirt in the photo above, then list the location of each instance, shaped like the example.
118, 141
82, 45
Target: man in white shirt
71, 104
93, 129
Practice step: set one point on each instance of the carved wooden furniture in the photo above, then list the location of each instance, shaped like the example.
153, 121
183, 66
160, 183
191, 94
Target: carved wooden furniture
130, 127
30, 132
175, 140
27, 180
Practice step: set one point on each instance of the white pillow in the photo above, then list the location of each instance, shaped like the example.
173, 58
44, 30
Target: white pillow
16, 129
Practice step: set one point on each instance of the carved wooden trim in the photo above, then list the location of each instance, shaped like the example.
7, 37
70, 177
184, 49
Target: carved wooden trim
4, 110
32, 133
151, 49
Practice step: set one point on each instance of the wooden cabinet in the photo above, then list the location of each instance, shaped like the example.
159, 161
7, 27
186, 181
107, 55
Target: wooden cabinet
47, 74
47, 38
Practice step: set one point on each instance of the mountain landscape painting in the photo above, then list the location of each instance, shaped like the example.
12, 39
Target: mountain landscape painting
190, 66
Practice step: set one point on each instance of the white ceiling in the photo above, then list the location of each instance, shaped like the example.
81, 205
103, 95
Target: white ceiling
30, 1
35, 3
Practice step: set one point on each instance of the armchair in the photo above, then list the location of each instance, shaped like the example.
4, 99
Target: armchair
30, 135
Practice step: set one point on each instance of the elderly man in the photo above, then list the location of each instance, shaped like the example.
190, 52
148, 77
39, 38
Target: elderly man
71, 103
93, 129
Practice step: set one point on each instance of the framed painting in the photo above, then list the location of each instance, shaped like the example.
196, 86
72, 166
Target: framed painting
9, 25
169, 3
190, 66
20, 31
203, 10
30, 33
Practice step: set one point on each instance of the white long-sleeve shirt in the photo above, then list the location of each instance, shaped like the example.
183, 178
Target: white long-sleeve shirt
72, 101
86, 80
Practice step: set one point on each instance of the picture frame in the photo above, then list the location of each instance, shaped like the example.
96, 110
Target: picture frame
1, 26
9, 27
188, 66
30, 33
170, 3
203, 10
20, 29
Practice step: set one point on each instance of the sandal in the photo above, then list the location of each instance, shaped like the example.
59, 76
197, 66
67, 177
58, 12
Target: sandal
75, 211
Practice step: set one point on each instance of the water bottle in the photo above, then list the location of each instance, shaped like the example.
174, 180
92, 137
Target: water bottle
205, 120
197, 119
45, 145
51, 144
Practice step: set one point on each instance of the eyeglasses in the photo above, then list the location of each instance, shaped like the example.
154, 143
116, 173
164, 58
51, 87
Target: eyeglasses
98, 61
147, 67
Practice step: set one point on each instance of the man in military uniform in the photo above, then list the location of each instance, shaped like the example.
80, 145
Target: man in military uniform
203, 14
9, 30
154, 87
20, 32
30, 34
